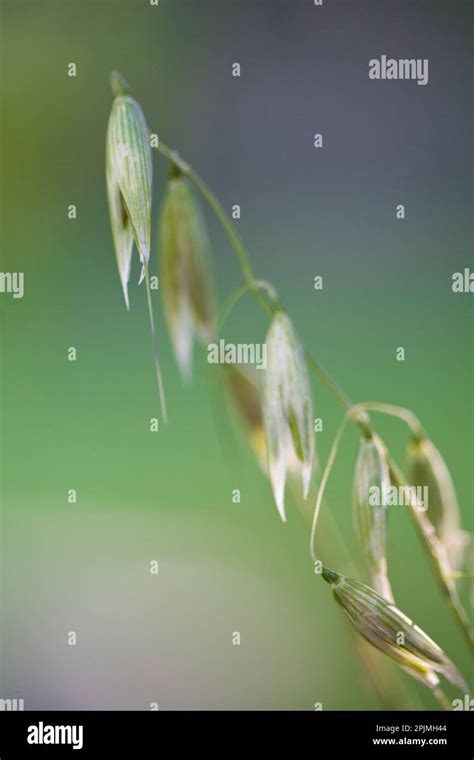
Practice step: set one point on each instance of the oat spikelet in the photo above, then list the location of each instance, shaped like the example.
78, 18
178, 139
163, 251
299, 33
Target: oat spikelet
287, 408
185, 273
392, 632
371, 479
426, 467
129, 180
128, 169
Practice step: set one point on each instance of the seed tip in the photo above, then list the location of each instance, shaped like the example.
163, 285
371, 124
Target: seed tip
175, 171
281, 509
329, 575
125, 295
119, 84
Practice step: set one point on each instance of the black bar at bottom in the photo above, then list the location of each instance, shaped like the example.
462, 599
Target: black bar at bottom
155, 734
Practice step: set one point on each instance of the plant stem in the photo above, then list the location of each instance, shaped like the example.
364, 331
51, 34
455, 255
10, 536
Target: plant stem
239, 292
383, 676
436, 552
223, 218
154, 345
354, 412
247, 271
322, 487
341, 396
401, 412
437, 555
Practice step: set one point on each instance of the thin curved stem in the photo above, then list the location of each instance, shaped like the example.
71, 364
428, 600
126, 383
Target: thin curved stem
395, 411
356, 413
223, 218
438, 557
236, 294
317, 370
322, 486
246, 268
386, 681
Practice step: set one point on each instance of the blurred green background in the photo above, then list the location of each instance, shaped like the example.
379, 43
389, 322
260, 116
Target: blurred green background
166, 496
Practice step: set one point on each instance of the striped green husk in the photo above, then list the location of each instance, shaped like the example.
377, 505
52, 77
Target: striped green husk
371, 470
381, 623
129, 177
427, 468
121, 228
129, 181
287, 409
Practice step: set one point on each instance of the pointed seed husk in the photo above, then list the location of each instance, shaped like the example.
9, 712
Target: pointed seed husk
287, 408
381, 623
372, 472
129, 182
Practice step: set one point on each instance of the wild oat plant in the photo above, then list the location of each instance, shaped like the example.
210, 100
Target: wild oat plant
277, 414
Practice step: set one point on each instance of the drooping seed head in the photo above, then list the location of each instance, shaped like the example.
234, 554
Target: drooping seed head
129, 180
371, 479
186, 278
287, 408
426, 467
392, 632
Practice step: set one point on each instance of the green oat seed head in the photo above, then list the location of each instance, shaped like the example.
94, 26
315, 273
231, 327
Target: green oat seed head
371, 479
287, 409
129, 179
390, 631
185, 272
426, 467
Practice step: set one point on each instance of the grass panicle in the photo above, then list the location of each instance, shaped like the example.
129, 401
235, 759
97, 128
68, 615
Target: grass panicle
278, 416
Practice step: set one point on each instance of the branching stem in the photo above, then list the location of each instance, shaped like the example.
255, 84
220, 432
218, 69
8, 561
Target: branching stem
247, 271
355, 412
